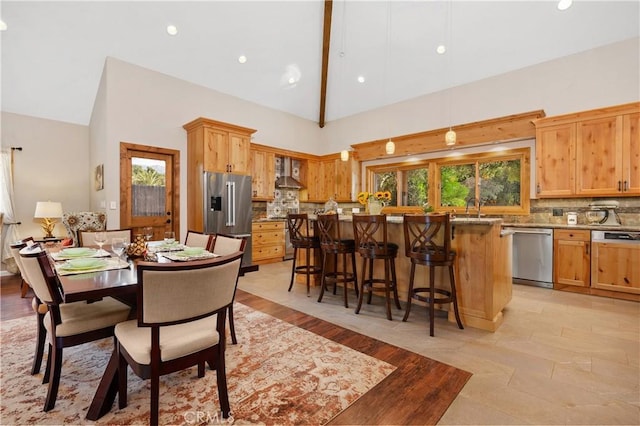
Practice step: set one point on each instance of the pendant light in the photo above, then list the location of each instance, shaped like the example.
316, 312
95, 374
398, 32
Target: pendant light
344, 155
390, 147
450, 138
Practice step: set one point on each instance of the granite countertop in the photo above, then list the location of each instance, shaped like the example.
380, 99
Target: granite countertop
622, 228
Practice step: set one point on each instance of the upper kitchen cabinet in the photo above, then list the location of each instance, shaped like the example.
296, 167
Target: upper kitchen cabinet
214, 146
589, 154
313, 179
263, 174
346, 179
330, 177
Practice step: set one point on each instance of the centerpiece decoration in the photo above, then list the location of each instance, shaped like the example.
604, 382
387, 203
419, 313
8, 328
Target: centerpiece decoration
374, 201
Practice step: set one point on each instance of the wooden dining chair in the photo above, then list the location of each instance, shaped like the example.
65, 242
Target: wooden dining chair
39, 308
181, 321
68, 324
198, 239
224, 245
88, 238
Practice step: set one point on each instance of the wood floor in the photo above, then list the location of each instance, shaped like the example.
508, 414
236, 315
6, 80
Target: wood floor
419, 391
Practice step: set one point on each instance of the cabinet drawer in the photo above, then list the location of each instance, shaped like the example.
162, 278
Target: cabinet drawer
267, 226
268, 252
268, 238
572, 234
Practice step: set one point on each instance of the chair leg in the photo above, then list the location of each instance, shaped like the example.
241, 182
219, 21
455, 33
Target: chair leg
361, 296
410, 291
24, 288
394, 279
293, 267
335, 270
432, 291
40, 340
454, 297
308, 257
232, 326
387, 288
355, 273
344, 275
54, 383
47, 367
323, 277
122, 379
370, 281
221, 378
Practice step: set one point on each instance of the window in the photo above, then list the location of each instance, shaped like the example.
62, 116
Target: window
500, 180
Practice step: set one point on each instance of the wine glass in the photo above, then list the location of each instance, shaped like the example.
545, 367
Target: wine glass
169, 237
100, 238
148, 233
117, 246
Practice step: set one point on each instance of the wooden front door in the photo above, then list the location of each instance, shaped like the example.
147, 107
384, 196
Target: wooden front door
149, 184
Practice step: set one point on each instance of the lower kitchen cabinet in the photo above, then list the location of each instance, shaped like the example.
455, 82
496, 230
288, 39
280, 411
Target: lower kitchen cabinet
616, 266
571, 257
268, 241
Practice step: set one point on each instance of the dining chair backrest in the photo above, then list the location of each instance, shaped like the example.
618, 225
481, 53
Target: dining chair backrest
42, 278
15, 252
83, 221
198, 239
224, 245
329, 229
427, 238
210, 285
88, 238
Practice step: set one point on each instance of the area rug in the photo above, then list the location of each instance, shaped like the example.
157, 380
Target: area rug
277, 374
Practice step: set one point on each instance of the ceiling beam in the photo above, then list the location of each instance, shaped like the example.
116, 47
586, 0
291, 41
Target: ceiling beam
326, 38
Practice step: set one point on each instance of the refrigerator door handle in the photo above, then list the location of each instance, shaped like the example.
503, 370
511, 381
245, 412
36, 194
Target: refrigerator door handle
231, 204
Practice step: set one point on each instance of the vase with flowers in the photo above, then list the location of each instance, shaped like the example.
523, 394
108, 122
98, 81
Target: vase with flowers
374, 201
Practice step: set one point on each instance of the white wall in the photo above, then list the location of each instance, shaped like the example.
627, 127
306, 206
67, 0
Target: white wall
53, 165
597, 78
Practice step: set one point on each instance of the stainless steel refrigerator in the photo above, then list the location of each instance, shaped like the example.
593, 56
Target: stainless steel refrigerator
227, 204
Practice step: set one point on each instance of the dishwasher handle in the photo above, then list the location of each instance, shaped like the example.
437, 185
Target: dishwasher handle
544, 231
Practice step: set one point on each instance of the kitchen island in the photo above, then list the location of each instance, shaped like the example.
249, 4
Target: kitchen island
483, 269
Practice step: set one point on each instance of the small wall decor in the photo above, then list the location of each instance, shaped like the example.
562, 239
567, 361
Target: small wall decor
99, 177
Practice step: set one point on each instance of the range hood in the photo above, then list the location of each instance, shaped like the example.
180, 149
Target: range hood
286, 180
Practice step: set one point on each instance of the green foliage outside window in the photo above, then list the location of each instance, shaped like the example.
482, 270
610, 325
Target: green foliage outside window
146, 176
417, 186
387, 181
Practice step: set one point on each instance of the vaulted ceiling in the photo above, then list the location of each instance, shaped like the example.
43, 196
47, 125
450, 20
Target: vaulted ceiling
53, 53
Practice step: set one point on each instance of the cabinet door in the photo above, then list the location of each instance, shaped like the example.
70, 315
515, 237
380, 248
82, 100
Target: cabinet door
216, 150
314, 183
239, 153
615, 267
571, 260
263, 174
631, 154
328, 168
599, 156
555, 160
344, 180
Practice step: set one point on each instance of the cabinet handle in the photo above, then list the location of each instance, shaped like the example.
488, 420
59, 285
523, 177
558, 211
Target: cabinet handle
619, 186
537, 188
625, 186
586, 246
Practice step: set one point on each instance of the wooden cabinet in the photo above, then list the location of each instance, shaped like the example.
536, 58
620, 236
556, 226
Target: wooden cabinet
615, 266
571, 257
212, 146
268, 242
263, 175
331, 177
588, 154
218, 146
314, 182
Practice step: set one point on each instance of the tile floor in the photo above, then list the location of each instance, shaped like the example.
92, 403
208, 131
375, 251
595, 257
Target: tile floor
558, 358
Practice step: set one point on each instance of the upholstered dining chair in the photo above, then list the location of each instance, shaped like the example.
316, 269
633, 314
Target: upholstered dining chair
224, 245
83, 221
68, 324
88, 238
39, 308
198, 239
182, 310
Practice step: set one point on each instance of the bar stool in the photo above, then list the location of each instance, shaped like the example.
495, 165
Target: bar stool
332, 245
370, 233
420, 234
301, 238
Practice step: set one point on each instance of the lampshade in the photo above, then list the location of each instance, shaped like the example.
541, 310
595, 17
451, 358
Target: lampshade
390, 147
344, 155
450, 138
48, 209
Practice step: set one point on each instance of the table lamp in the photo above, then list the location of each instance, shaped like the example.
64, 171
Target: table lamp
48, 211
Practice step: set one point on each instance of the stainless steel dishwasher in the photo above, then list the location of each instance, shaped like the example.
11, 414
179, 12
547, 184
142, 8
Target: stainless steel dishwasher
532, 261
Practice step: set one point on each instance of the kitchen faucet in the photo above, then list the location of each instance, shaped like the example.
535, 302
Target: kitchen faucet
472, 200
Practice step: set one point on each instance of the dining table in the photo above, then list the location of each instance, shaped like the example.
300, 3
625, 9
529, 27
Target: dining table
121, 284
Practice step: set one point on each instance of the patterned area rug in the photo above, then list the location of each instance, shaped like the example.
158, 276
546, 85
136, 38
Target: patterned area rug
277, 374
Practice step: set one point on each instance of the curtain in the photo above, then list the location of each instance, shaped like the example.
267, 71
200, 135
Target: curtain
9, 228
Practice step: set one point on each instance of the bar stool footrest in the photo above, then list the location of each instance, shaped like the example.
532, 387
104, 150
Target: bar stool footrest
438, 300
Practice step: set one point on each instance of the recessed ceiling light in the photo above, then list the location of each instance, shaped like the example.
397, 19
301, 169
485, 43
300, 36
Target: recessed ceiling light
242, 59
292, 80
172, 30
3, 25
361, 79
441, 49
564, 4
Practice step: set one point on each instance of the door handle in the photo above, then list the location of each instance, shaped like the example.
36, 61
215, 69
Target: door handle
168, 221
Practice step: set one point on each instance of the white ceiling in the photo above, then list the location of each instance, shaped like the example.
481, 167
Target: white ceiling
53, 52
